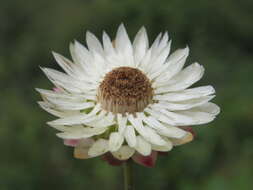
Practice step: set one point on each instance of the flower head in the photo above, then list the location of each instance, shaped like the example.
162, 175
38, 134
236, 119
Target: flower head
126, 99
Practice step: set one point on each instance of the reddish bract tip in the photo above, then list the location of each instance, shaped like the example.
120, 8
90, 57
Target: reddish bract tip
108, 157
147, 161
71, 142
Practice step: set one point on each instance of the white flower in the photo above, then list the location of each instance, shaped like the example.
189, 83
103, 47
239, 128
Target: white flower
124, 97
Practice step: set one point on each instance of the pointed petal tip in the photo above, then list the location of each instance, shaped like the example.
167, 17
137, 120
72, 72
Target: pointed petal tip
121, 29
76, 42
88, 33
38, 90
57, 134
42, 68
40, 103
187, 49
50, 123
143, 29
56, 55
71, 46
122, 25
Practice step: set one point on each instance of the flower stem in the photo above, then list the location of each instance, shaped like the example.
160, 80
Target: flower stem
128, 178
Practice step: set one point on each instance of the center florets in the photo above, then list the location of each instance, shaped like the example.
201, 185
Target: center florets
125, 89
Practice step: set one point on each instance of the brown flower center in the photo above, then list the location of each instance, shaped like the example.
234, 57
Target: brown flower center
125, 89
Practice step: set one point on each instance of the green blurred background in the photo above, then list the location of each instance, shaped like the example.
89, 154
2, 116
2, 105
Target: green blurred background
220, 36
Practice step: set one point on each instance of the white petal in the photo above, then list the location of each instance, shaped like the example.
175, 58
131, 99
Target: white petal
209, 107
145, 61
80, 118
163, 43
187, 138
122, 121
66, 96
155, 44
100, 147
138, 125
156, 113
174, 64
72, 120
110, 116
159, 44
96, 109
86, 60
61, 79
48, 107
100, 65
93, 43
67, 82
159, 64
147, 133
70, 105
186, 94
164, 148
171, 118
198, 117
156, 65
124, 153
107, 43
73, 135
163, 129
83, 56
65, 64
130, 136
142, 146
45, 106
105, 121
73, 128
115, 141
181, 118
123, 45
184, 79
175, 118
74, 55
140, 45
85, 132
183, 105
153, 137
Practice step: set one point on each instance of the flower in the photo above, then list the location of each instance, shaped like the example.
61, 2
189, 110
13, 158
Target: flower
124, 99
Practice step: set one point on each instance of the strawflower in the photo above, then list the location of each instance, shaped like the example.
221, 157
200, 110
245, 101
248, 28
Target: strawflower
122, 100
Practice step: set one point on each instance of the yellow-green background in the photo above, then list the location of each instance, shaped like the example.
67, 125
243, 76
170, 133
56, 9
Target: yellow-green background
220, 36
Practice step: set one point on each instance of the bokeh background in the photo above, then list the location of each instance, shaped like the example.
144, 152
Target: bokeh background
220, 36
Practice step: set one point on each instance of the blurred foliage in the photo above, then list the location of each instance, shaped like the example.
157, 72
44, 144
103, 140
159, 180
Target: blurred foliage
220, 36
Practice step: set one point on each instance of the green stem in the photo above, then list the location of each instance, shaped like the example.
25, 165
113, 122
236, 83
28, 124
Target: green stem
128, 178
